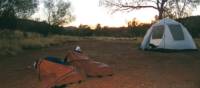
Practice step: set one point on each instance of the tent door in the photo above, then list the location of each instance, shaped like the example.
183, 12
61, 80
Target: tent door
156, 36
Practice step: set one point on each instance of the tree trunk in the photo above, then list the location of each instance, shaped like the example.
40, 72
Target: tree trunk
160, 15
161, 8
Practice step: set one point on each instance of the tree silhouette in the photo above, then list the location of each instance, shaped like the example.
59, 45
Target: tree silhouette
84, 27
58, 12
162, 6
133, 23
17, 8
180, 8
98, 27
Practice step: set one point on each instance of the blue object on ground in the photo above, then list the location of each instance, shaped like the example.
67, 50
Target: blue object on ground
55, 59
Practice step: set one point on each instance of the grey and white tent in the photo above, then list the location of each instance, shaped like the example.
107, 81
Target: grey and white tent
168, 34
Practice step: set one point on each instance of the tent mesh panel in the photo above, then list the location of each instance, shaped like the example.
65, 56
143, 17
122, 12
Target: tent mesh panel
176, 31
158, 32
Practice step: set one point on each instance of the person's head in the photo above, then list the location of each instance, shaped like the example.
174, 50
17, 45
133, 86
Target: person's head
77, 49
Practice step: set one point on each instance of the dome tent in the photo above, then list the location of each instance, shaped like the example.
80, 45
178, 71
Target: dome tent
169, 35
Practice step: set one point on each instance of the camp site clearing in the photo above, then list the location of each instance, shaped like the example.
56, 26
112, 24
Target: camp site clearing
133, 68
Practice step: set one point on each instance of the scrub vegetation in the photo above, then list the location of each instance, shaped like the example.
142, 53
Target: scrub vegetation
29, 35
13, 42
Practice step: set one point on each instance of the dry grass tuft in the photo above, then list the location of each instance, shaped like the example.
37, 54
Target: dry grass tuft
13, 42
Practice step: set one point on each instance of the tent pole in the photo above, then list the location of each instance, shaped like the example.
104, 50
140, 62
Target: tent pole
164, 32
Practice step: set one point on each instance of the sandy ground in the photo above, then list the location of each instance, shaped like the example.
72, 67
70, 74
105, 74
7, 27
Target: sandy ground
133, 68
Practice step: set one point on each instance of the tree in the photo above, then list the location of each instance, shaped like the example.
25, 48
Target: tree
84, 27
162, 6
17, 8
58, 12
180, 8
133, 23
98, 27
133, 27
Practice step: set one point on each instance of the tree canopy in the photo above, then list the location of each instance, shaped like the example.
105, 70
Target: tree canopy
17, 8
58, 12
170, 8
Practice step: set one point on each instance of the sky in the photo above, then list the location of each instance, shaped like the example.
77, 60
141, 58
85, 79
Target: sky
90, 13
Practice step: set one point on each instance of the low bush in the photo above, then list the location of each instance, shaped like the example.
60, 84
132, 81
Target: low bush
13, 42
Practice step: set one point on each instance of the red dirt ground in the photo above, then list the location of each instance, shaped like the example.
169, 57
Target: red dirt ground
133, 68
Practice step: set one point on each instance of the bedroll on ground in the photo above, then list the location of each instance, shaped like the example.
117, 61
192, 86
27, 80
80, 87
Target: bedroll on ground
90, 67
55, 74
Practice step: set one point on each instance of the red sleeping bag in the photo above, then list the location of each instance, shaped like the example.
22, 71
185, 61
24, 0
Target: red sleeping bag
90, 67
53, 74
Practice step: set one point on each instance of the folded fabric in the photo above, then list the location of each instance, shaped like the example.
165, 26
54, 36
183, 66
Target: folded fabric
90, 67
54, 74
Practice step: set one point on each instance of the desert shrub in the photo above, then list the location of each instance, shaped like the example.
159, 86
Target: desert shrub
197, 41
9, 47
13, 42
10, 42
192, 24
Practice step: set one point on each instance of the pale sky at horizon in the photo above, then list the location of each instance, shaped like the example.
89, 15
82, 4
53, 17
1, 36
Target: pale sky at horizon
91, 13
88, 12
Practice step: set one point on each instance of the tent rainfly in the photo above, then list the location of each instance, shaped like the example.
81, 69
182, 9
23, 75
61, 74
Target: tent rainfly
168, 34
